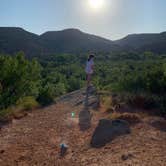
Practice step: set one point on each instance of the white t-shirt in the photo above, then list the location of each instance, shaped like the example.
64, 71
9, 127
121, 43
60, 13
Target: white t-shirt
89, 65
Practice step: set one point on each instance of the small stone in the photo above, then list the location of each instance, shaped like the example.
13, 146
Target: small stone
2, 151
126, 157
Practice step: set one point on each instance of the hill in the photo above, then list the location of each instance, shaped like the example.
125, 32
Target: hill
14, 39
36, 138
73, 40
154, 42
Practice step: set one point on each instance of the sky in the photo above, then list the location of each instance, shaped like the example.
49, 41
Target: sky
113, 19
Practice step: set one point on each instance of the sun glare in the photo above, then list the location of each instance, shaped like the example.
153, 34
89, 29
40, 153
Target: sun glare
96, 4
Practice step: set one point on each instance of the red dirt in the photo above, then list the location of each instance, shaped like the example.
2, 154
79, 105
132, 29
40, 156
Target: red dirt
35, 140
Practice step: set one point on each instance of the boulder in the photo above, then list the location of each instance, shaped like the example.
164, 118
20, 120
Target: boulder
107, 130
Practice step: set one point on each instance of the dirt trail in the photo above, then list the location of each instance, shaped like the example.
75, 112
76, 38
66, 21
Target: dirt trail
35, 139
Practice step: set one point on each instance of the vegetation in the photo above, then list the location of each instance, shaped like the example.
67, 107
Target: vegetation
19, 78
27, 103
39, 81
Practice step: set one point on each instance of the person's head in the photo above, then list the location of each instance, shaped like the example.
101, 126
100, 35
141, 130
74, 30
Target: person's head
91, 56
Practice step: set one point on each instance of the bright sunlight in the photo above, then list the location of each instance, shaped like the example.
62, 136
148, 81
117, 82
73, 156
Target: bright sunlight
96, 4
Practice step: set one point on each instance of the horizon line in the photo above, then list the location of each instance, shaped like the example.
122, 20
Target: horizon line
70, 28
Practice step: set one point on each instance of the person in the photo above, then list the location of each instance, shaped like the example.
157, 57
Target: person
89, 69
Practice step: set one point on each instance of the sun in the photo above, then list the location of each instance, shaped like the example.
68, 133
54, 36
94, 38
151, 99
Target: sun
96, 4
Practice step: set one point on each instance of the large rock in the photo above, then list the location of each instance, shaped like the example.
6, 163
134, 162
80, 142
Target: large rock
107, 130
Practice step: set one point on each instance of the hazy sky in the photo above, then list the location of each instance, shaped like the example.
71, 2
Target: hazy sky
113, 20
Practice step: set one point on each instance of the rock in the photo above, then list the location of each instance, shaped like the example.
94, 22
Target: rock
2, 151
93, 102
107, 130
91, 90
126, 157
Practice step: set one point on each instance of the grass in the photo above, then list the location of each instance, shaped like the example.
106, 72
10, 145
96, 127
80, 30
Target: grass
27, 103
6, 114
111, 103
131, 118
19, 110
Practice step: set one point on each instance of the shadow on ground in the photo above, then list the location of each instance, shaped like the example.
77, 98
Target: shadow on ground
3, 123
85, 115
160, 125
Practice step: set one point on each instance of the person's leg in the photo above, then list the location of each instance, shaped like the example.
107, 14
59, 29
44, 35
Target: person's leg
88, 80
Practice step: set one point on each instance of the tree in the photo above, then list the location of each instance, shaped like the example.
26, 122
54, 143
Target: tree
19, 78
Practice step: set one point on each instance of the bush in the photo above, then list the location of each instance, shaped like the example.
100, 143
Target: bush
46, 96
111, 103
27, 103
74, 84
162, 104
18, 111
13, 112
107, 103
6, 114
142, 101
18, 78
59, 89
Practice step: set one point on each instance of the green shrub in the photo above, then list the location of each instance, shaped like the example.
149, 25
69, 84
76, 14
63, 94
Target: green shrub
5, 114
59, 89
162, 104
46, 96
18, 78
27, 103
142, 101
74, 84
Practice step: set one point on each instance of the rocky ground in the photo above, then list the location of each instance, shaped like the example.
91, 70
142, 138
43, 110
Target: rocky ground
35, 139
